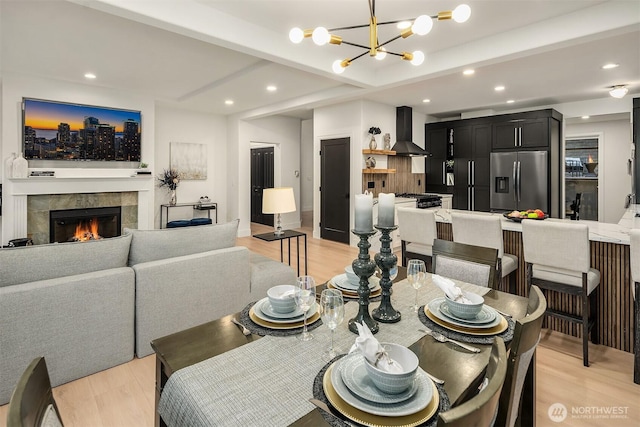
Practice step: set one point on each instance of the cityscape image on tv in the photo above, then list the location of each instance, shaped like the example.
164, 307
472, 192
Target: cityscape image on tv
62, 131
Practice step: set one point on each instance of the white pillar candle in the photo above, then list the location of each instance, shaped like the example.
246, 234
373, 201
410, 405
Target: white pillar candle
386, 210
364, 212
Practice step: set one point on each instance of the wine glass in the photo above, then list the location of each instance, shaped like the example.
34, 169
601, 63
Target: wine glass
416, 275
305, 296
332, 309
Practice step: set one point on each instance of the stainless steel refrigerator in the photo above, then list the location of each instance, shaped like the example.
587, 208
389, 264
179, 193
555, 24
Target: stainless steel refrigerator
519, 181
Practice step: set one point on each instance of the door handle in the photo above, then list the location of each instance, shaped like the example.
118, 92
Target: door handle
473, 199
520, 137
444, 173
473, 172
515, 137
468, 172
515, 183
469, 198
519, 183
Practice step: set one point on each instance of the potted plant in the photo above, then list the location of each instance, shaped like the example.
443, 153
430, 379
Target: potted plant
373, 131
170, 178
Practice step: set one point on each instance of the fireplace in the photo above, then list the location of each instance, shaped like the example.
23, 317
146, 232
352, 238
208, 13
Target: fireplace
69, 225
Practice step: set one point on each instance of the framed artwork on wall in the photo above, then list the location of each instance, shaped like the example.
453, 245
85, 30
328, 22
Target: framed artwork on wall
189, 159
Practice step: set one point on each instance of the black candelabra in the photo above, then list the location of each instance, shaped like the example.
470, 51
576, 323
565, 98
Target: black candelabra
386, 260
364, 267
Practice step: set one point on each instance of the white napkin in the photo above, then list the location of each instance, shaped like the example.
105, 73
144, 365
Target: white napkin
450, 289
373, 351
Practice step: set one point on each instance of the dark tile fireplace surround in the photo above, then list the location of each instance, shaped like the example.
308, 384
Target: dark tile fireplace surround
113, 211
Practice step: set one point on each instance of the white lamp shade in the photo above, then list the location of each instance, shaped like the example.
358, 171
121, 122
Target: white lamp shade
278, 200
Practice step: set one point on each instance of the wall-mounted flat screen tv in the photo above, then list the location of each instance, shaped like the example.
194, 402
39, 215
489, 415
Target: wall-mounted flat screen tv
63, 131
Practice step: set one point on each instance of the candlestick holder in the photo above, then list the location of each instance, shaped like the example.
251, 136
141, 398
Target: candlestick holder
385, 260
364, 268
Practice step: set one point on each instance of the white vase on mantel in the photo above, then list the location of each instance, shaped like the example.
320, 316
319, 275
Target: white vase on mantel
8, 165
20, 167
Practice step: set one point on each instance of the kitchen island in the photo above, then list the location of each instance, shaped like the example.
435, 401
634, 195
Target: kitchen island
609, 254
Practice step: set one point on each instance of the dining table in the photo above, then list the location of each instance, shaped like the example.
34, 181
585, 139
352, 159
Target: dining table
214, 374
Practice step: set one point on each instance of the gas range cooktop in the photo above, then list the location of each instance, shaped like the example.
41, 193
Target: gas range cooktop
423, 200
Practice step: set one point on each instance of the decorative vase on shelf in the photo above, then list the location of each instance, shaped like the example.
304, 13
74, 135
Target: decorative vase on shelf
173, 199
387, 141
8, 165
370, 162
20, 167
373, 144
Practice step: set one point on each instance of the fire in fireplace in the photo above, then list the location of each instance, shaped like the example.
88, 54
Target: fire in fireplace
79, 225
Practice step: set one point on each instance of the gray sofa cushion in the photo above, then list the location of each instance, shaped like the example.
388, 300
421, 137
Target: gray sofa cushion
266, 273
153, 245
43, 262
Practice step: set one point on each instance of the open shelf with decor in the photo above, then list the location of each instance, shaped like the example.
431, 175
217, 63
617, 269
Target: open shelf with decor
379, 152
365, 171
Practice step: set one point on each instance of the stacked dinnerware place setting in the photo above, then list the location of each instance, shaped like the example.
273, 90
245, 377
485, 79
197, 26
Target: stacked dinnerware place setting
380, 384
464, 314
348, 283
279, 310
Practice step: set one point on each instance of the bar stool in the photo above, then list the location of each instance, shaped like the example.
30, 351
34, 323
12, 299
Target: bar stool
417, 228
557, 256
635, 291
485, 230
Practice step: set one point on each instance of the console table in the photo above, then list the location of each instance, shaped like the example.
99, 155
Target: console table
287, 235
196, 206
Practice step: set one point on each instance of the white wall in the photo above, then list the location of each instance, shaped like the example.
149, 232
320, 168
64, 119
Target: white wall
615, 182
284, 134
306, 166
173, 125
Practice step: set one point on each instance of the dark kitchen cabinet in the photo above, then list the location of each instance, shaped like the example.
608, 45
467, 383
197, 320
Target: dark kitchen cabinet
523, 130
472, 151
435, 163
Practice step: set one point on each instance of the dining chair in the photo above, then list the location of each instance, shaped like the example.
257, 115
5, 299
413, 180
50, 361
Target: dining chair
417, 228
635, 291
486, 230
481, 409
526, 336
557, 257
32, 402
467, 263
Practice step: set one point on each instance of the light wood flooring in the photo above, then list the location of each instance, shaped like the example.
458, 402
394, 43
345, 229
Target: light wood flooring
124, 395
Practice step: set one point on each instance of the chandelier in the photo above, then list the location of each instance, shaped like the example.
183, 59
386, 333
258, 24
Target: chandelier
421, 25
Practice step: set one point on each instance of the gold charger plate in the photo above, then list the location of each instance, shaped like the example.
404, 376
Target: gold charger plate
348, 294
503, 326
372, 420
271, 325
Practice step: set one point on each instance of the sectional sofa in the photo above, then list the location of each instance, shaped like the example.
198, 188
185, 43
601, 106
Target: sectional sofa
90, 306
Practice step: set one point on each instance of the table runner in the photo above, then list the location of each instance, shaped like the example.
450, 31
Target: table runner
268, 382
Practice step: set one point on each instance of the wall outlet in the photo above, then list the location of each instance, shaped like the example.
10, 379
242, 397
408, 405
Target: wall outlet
371, 184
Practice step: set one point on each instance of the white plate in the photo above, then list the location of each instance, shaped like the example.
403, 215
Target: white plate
414, 404
266, 309
355, 377
257, 308
434, 308
485, 316
341, 282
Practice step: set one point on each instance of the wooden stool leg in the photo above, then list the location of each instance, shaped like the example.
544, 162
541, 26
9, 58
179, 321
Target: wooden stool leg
636, 339
585, 330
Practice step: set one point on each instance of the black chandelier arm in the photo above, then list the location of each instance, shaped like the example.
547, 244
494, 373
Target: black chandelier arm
359, 56
388, 41
372, 8
355, 44
352, 27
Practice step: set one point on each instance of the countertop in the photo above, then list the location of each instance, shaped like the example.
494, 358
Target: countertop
598, 231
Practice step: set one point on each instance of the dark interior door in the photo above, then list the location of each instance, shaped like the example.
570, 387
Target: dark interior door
261, 178
334, 189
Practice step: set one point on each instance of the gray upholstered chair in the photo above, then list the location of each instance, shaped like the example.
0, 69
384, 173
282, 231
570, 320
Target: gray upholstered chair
32, 402
480, 410
635, 291
526, 336
557, 255
485, 230
467, 263
417, 229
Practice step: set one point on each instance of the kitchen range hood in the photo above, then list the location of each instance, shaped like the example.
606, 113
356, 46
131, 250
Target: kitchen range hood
404, 134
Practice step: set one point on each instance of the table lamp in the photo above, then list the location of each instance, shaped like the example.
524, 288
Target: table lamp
278, 201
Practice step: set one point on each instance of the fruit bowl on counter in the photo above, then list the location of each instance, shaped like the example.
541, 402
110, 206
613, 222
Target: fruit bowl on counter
518, 216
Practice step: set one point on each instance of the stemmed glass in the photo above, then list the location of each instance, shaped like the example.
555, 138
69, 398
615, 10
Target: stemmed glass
305, 297
332, 309
416, 275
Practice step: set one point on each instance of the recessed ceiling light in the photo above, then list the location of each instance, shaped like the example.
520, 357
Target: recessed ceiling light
499, 88
585, 117
468, 72
511, 101
272, 88
229, 101
90, 76
426, 100
610, 66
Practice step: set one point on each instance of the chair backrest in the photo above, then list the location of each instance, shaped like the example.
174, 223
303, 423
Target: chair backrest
32, 402
635, 258
478, 230
467, 263
417, 225
557, 244
526, 336
481, 409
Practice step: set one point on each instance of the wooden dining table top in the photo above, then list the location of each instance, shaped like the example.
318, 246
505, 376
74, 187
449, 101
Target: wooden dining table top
462, 374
